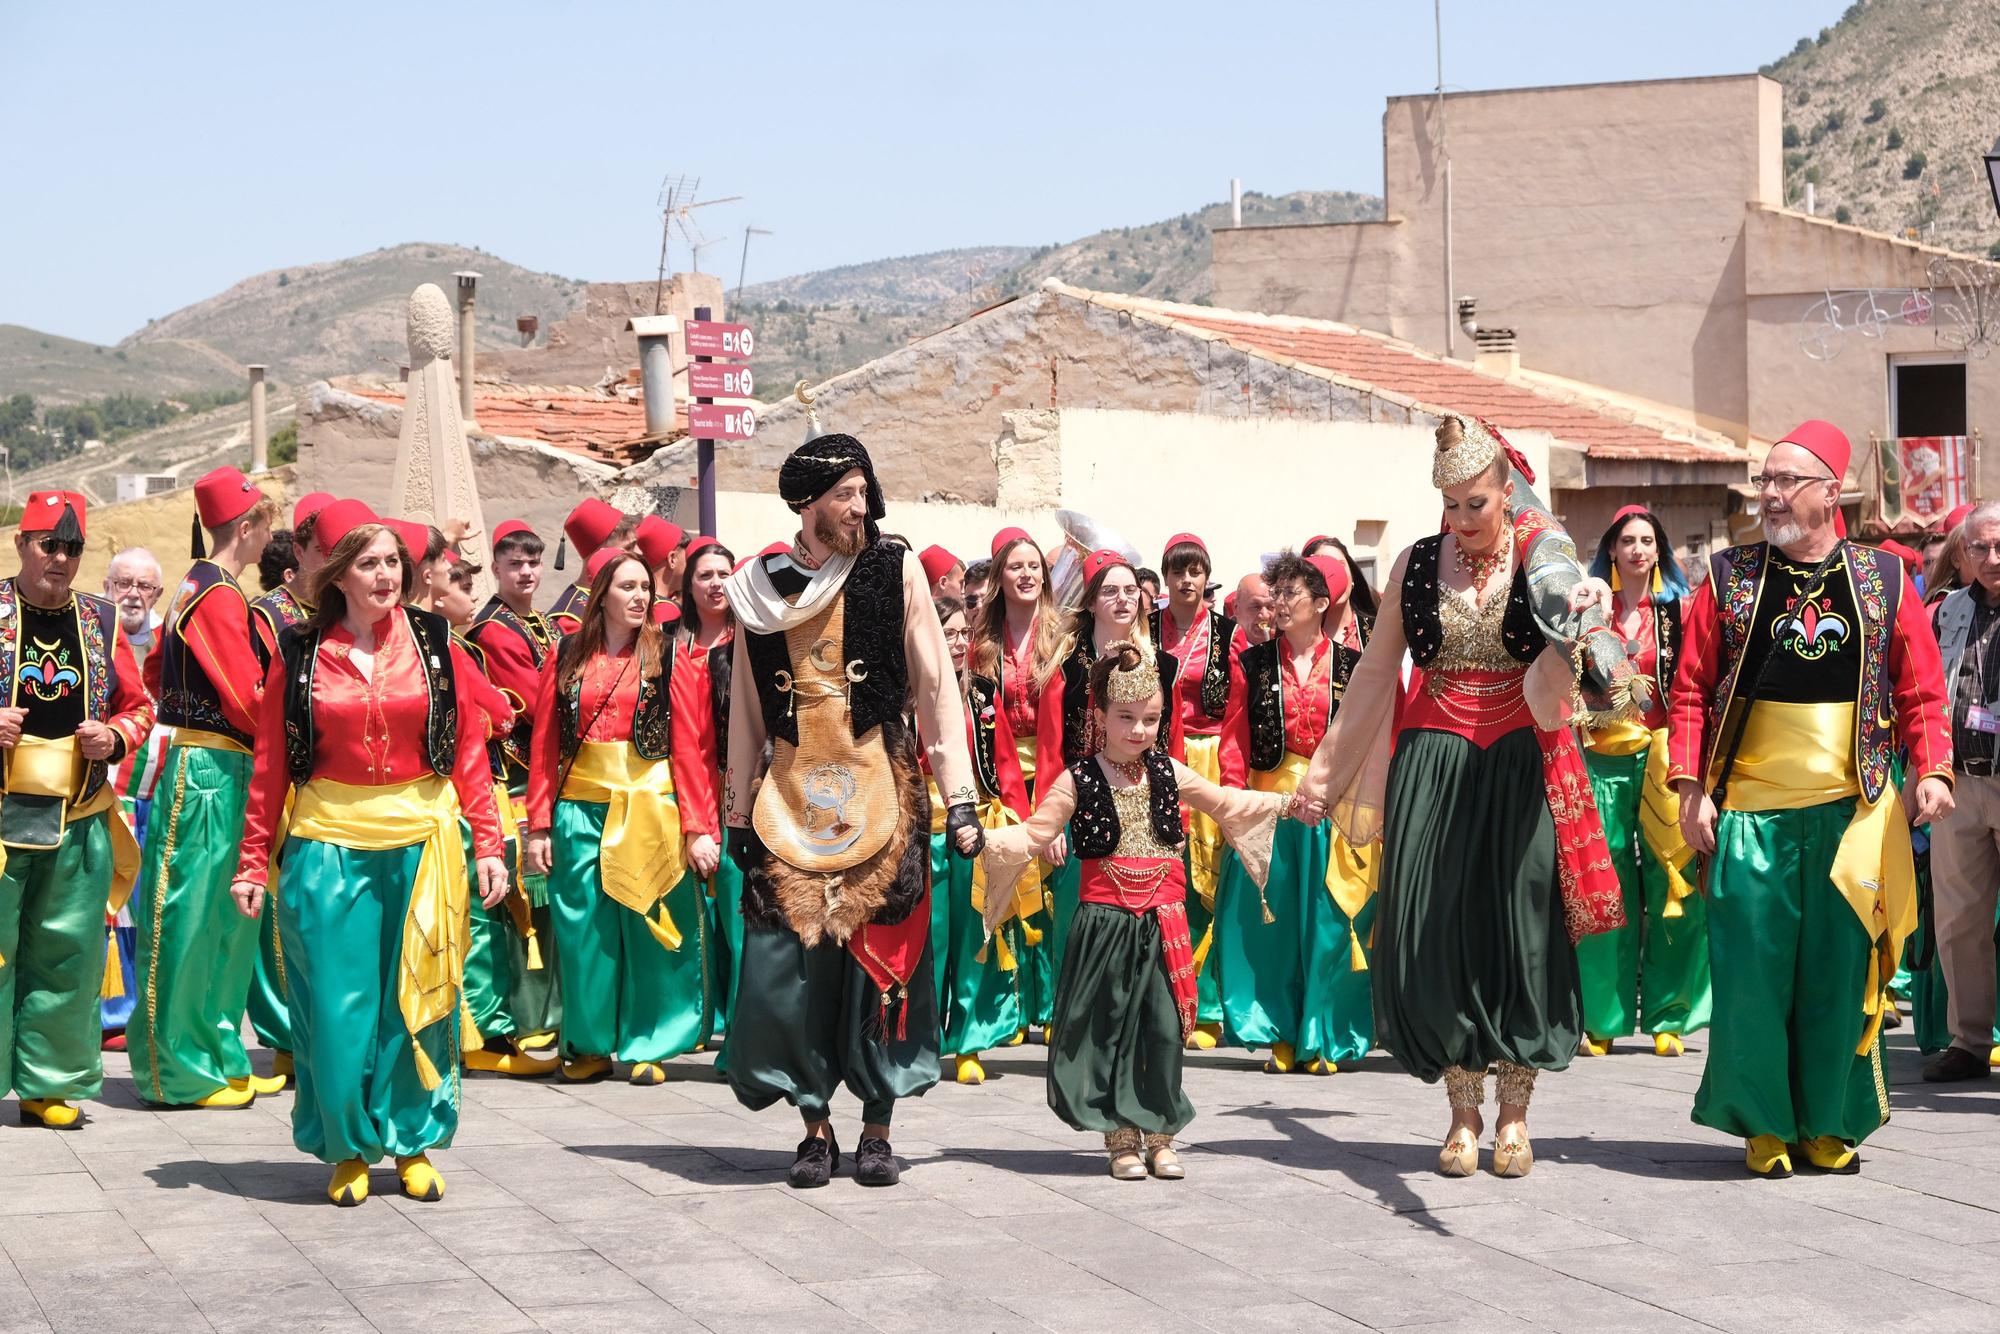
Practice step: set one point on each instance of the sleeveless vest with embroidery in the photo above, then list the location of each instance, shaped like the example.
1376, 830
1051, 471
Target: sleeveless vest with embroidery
187, 697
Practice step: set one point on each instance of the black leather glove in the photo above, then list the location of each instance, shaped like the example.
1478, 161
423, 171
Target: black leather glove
744, 848
963, 815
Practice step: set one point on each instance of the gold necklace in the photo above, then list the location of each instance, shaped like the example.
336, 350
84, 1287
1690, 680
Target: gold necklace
1132, 772
1478, 569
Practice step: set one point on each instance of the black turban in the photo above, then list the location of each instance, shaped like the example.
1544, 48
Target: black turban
816, 467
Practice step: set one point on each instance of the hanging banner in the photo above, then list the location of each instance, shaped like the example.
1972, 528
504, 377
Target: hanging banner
1921, 479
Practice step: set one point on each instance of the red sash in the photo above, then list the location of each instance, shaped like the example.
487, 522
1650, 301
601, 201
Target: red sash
890, 955
1156, 885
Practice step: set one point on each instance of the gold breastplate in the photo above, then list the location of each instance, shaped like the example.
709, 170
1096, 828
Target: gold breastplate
1471, 640
1135, 823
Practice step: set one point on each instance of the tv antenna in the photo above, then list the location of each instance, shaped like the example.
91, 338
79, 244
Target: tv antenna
677, 200
744, 267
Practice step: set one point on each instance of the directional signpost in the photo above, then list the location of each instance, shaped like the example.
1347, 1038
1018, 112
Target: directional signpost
716, 351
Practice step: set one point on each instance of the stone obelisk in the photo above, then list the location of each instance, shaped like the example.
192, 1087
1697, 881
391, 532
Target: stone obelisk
433, 480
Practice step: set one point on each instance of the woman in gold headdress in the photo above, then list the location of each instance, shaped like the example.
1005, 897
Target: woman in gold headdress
1493, 858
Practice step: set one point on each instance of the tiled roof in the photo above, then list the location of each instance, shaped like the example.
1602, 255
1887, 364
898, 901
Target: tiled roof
1377, 362
598, 426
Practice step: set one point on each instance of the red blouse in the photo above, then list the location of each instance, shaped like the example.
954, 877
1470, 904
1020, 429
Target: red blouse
368, 731
607, 704
1192, 648
1647, 662
711, 744
1307, 699
1020, 692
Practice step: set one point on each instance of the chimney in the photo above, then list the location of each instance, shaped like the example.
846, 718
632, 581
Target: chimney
260, 438
1235, 201
467, 282
526, 326
656, 368
1497, 354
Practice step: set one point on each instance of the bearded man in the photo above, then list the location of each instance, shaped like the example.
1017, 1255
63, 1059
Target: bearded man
839, 643
1807, 664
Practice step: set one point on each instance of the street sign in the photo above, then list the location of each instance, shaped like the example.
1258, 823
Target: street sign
719, 379
721, 421
711, 338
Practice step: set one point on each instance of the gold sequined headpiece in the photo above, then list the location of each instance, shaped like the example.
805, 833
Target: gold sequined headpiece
1133, 686
1457, 464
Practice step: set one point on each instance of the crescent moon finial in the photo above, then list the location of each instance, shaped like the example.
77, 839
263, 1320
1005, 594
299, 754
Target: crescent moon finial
803, 392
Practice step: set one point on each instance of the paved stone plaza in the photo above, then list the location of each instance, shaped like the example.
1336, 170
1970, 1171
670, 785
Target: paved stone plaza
1310, 1203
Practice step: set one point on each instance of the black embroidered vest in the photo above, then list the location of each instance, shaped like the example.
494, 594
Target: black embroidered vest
1264, 696
539, 635
878, 675
652, 730
1425, 631
1076, 697
187, 697
982, 700
721, 668
496, 755
1215, 672
298, 649
281, 610
1094, 828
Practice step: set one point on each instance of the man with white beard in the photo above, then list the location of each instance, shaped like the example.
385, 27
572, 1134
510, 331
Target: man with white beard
1807, 664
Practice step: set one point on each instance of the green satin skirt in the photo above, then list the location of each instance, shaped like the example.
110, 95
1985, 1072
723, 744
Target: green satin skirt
505, 997
196, 953
1650, 975
340, 922
1116, 1058
52, 937
1472, 961
1043, 962
270, 1012
624, 994
1292, 979
981, 1001
1791, 963
808, 1021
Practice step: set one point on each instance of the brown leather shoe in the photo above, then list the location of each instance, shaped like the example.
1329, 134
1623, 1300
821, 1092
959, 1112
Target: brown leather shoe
1953, 1064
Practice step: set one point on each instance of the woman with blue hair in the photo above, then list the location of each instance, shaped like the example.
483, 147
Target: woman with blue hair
1652, 973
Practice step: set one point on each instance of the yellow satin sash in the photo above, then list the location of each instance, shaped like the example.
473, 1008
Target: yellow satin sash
194, 736
53, 767
1660, 826
640, 858
437, 928
997, 814
1204, 756
1351, 874
513, 813
1798, 755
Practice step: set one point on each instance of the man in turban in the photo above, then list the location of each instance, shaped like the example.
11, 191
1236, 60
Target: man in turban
837, 634
1807, 664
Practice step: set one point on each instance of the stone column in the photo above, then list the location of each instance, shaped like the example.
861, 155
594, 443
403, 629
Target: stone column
260, 437
467, 281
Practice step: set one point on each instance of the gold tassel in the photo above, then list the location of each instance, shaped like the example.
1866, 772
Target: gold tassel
1269, 916
1357, 958
1201, 950
427, 1074
1659, 582
534, 951
114, 976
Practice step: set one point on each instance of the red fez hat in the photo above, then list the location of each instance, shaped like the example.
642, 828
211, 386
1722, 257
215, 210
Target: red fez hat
1314, 541
451, 557
665, 612
339, 519
1229, 606
1957, 516
308, 505
1825, 442
508, 527
1189, 538
1334, 570
657, 539
701, 544
595, 565
416, 536
588, 527
937, 562
1903, 553
45, 510
776, 549
1100, 560
1006, 535
1626, 513
223, 495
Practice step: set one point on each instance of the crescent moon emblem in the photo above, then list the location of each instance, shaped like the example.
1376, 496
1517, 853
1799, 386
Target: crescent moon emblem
818, 658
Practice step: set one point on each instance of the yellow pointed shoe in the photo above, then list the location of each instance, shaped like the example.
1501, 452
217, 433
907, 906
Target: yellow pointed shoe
420, 1180
284, 1066
53, 1113
517, 1064
970, 1071
1831, 1153
648, 1072
537, 1042
1280, 1061
1020, 1036
257, 1083
1205, 1037
1594, 1046
584, 1069
1319, 1065
1513, 1155
229, 1098
349, 1186
1993, 1058
1668, 1044
1767, 1156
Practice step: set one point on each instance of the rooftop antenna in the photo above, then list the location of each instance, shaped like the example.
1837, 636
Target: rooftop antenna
696, 246
744, 266
677, 199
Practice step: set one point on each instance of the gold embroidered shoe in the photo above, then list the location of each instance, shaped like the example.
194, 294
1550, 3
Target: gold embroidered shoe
648, 1072
349, 1186
970, 1071
53, 1113
1766, 1156
420, 1180
1513, 1155
1460, 1155
1668, 1044
1281, 1059
1831, 1153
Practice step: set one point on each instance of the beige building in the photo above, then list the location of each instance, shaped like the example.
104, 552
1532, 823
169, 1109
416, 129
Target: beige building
1636, 236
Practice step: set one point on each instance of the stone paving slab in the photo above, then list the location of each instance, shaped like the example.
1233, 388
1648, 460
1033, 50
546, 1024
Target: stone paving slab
1310, 1204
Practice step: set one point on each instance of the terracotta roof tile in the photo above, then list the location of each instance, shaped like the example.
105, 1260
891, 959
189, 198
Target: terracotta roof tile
597, 426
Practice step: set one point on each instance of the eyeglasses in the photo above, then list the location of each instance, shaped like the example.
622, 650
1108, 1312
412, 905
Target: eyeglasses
1287, 595
1785, 482
1981, 550
51, 545
139, 586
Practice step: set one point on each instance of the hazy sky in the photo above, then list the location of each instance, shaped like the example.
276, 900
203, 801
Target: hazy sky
156, 153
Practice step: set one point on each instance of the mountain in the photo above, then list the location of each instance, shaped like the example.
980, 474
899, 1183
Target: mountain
817, 325
1887, 114
340, 316
60, 370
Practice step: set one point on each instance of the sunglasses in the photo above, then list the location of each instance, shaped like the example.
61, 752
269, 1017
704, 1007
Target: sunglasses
51, 545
